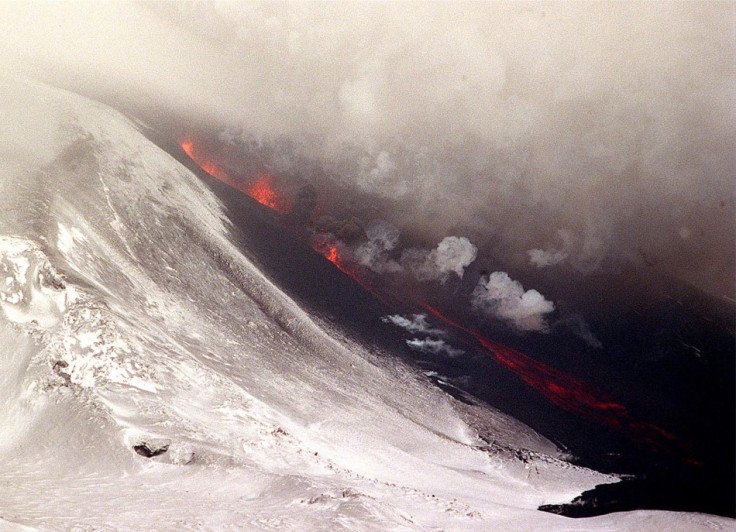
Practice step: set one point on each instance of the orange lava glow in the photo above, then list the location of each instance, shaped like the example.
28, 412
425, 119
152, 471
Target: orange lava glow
263, 190
264, 193
204, 162
330, 252
569, 393
563, 390
332, 256
326, 248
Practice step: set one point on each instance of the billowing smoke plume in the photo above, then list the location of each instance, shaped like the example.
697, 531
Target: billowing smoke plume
452, 255
503, 122
382, 238
501, 297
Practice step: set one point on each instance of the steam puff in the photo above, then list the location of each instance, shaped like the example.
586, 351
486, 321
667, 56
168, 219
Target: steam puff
453, 254
502, 297
551, 256
417, 324
435, 347
382, 237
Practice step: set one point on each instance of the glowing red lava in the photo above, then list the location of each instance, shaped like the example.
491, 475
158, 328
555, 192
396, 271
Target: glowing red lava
563, 390
264, 193
333, 257
329, 251
263, 190
204, 162
569, 393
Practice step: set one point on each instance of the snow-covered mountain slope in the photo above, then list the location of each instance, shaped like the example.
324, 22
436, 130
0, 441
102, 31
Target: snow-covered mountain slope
132, 325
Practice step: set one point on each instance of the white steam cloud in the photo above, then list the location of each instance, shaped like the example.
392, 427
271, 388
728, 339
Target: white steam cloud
501, 121
501, 297
417, 324
382, 238
452, 254
435, 347
541, 258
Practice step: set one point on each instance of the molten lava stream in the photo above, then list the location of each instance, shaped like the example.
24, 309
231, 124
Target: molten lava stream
331, 252
264, 193
334, 257
563, 390
205, 163
572, 394
262, 190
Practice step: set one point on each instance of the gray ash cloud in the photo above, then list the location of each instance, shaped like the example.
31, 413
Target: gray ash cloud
508, 124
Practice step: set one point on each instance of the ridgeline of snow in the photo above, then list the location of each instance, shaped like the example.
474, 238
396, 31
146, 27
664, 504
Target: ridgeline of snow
131, 320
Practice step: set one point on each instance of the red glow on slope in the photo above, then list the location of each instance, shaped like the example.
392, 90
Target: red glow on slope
567, 392
563, 390
204, 162
264, 193
326, 247
263, 190
329, 251
333, 257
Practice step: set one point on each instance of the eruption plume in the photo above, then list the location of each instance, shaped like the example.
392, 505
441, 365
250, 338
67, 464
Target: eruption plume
500, 296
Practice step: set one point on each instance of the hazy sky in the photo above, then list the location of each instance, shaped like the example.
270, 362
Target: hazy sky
587, 134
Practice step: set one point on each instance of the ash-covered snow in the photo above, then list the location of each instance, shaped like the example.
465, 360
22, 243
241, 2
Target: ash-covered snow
131, 319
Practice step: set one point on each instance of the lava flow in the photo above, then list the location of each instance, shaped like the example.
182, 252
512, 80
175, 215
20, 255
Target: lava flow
264, 193
328, 249
563, 390
262, 190
569, 393
334, 257
205, 163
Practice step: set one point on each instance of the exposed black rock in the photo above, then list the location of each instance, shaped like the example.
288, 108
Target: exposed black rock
149, 451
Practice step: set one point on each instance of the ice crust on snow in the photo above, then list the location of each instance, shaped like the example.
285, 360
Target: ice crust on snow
130, 317
31, 290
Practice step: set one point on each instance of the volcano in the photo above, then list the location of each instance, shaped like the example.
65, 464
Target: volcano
174, 358
684, 467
